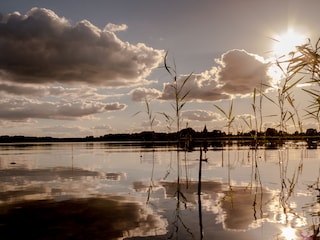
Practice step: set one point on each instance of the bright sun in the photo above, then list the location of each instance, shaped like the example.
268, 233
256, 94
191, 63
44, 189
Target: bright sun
284, 44
287, 42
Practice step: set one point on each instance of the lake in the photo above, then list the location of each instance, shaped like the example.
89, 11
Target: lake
110, 190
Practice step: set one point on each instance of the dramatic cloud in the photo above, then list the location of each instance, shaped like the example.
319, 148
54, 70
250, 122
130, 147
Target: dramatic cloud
41, 47
17, 109
238, 73
140, 94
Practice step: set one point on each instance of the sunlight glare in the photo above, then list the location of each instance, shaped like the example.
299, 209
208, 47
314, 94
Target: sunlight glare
287, 42
283, 45
289, 233
276, 75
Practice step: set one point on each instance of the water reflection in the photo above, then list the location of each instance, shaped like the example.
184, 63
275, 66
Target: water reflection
82, 218
242, 209
25, 184
136, 192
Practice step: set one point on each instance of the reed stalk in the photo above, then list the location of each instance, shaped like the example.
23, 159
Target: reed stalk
148, 111
179, 91
228, 115
305, 63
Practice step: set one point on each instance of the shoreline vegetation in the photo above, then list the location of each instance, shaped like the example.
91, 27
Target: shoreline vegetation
187, 138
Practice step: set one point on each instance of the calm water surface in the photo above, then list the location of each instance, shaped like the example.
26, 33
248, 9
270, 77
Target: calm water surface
123, 191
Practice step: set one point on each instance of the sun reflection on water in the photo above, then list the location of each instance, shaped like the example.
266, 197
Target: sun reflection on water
289, 233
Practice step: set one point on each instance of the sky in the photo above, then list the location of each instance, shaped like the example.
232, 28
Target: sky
82, 68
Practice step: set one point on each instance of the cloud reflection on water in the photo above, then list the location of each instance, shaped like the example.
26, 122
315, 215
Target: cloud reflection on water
62, 203
243, 207
58, 182
82, 218
238, 209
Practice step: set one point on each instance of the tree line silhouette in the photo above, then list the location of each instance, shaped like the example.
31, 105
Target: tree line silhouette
185, 136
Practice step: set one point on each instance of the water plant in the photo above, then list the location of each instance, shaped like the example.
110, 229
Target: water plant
179, 91
257, 128
291, 101
283, 97
306, 62
228, 115
148, 111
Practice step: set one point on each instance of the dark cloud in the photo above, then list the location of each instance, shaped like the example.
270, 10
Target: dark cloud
41, 47
27, 90
17, 109
9, 89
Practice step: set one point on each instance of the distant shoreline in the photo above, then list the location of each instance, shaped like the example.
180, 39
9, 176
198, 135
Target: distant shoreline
160, 138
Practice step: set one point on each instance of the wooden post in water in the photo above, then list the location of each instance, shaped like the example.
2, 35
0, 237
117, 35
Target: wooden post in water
204, 144
200, 170
199, 195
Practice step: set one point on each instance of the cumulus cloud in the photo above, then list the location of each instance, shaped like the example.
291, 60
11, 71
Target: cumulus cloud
238, 73
115, 106
202, 87
140, 94
41, 47
200, 115
115, 28
18, 109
